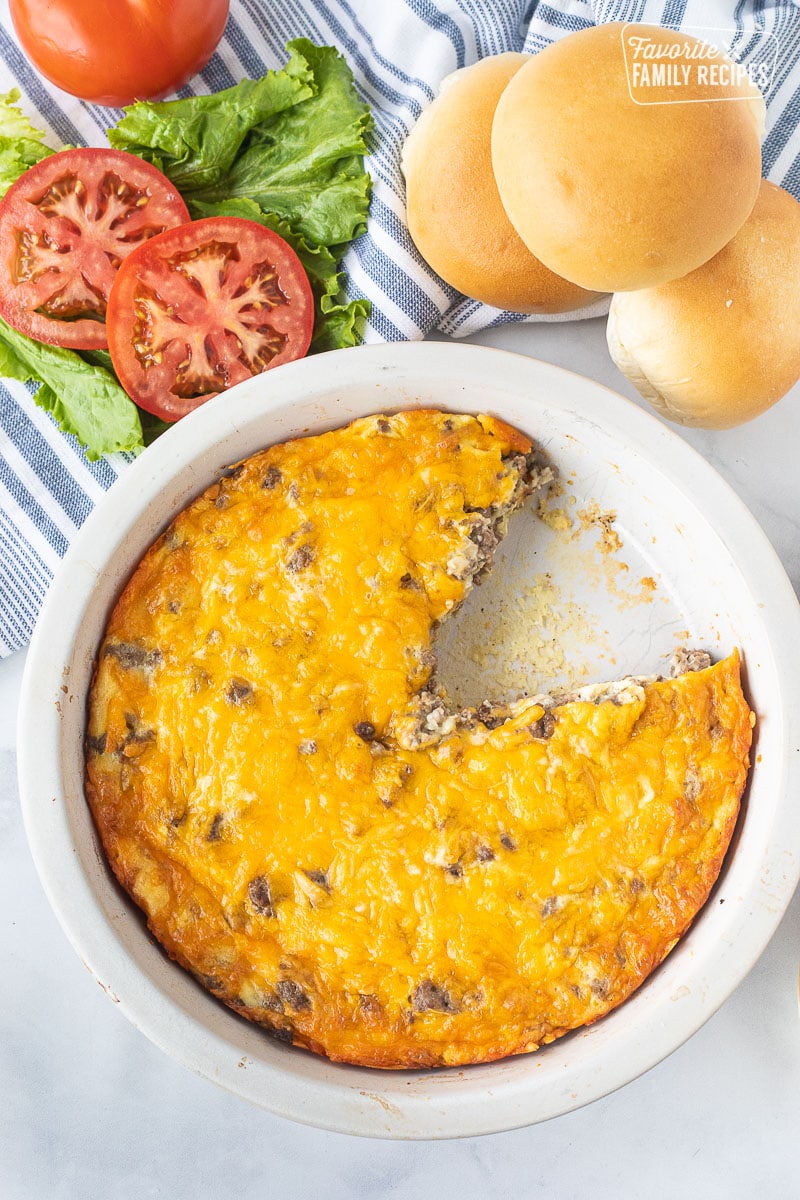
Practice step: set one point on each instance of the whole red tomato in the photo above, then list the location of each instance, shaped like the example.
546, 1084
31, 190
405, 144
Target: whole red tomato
117, 51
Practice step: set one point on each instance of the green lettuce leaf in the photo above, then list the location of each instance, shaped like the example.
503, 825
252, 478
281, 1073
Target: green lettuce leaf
306, 164
195, 141
83, 396
341, 325
292, 142
20, 144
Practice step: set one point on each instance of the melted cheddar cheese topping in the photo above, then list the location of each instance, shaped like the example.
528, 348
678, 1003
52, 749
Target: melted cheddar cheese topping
268, 786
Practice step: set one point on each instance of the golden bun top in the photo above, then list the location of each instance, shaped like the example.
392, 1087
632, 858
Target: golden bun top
721, 345
617, 181
454, 213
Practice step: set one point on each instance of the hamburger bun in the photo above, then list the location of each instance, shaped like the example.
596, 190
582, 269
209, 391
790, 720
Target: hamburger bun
721, 345
611, 189
455, 216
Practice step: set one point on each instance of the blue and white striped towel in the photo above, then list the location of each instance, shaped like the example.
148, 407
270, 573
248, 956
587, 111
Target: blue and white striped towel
399, 51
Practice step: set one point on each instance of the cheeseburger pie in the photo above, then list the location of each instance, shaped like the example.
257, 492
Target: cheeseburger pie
318, 836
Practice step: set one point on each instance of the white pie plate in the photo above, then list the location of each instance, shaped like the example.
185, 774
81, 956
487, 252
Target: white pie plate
717, 581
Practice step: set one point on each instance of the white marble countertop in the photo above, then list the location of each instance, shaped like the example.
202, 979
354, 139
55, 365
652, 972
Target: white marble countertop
90, 1109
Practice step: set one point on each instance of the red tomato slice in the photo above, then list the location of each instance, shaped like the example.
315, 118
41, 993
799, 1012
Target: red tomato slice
65, 227
202, 307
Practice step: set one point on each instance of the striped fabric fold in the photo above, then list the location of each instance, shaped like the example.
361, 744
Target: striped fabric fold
399, 52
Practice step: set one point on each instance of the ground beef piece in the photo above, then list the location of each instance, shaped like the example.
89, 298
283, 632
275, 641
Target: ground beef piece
260, 896
302, 557
684, 660
133, 657
292, 994
430, 997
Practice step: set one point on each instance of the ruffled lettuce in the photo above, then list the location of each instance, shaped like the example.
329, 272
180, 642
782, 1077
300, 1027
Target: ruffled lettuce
20, 144
83, 396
